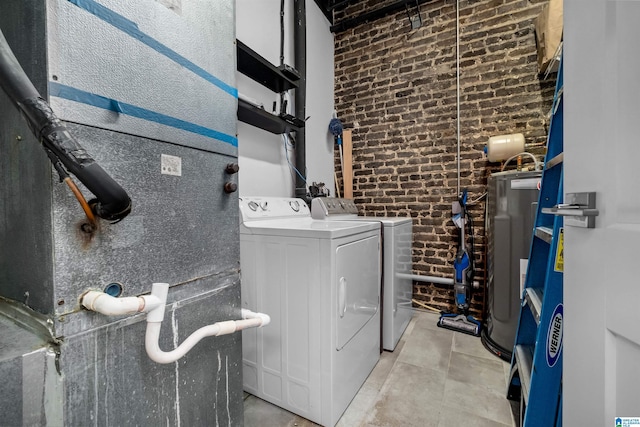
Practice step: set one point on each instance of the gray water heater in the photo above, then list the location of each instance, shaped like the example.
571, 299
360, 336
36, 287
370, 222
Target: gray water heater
511, 210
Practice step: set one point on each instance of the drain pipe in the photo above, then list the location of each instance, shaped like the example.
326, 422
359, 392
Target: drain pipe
432, 279
425, 279
111, 306
154, 305
300, 50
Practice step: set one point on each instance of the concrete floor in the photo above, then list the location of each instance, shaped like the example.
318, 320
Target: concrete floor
434, 377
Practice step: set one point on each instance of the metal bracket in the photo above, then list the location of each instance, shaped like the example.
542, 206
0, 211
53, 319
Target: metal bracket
579, 210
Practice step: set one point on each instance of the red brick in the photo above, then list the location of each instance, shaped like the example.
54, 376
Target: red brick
396, 88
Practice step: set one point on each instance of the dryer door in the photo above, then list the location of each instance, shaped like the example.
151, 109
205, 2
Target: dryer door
358, 287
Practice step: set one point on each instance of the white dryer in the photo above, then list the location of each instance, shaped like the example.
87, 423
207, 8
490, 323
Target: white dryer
397, 292
320, 283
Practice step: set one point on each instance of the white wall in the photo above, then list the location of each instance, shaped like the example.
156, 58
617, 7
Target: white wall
320, 84
264, 170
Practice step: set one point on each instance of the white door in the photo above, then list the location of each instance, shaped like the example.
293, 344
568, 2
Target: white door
602, 265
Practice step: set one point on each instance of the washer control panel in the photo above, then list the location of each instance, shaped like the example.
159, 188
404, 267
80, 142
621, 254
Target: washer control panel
252, 208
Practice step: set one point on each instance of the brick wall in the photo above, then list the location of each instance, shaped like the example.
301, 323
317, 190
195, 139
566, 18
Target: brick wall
396, 89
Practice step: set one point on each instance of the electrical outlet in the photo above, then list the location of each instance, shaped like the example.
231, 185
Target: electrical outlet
170, 165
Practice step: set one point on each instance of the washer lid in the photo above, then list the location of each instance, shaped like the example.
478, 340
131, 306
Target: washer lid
307, 227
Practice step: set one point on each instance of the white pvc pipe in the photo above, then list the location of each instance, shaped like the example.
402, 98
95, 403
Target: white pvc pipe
427, 279
432, 279
112, 306
154, 305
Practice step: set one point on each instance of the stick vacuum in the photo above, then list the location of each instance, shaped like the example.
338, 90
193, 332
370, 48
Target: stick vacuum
463, 266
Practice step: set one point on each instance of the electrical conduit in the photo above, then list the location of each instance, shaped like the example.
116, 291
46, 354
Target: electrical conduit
154, 305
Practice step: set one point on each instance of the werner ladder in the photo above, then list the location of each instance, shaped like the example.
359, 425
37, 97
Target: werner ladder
536, 364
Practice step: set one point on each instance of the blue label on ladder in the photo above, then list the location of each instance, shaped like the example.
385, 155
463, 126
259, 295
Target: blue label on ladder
554, 337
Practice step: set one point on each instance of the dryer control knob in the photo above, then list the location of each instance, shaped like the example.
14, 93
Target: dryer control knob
263, 205
295, 205
253, 205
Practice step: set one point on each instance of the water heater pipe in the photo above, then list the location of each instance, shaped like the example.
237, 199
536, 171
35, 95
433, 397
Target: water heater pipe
426, 279
432, 279
154, 305
537, 165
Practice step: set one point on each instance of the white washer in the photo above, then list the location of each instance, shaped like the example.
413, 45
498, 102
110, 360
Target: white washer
397, 240
320, 283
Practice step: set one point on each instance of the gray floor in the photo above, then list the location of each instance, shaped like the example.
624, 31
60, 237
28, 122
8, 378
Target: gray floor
434, 377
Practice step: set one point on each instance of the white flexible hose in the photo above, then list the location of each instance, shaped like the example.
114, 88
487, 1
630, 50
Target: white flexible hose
536, 163
154, 322
220, 328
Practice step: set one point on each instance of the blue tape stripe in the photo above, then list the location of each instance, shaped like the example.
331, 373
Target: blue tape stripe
77, 95
131, 28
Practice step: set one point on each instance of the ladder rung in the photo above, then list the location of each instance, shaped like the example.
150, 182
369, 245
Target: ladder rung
555, 161
533, 297
544, 233
524, 361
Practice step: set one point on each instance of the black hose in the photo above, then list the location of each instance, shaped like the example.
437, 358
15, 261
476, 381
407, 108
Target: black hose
112, 201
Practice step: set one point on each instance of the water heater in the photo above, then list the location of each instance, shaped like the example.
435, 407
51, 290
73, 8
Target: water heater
512, 200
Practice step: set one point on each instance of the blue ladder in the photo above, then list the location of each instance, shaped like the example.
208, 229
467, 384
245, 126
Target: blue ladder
536, 364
